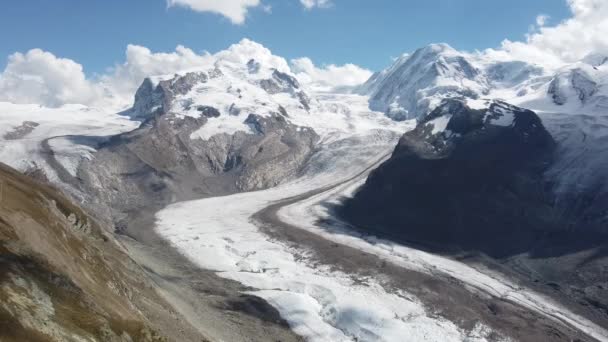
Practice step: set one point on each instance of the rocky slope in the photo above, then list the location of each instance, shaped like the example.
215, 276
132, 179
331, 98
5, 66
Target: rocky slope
213, 131
64, 278
166, 160
465, 177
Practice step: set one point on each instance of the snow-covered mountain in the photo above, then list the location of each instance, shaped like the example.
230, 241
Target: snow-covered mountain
477, 162
415, 84
243, 122
243, 91
248, 79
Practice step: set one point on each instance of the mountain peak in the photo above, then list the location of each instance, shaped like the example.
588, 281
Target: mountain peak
414, 85
245, 51
437, 49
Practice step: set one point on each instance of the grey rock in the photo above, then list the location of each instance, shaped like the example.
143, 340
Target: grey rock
253, 66
151, 99
208, 111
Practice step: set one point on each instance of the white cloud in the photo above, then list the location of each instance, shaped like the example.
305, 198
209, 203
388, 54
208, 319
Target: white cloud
235, 10
542, 19
124, 79
40, 77
309, 4
329, 76
569, 41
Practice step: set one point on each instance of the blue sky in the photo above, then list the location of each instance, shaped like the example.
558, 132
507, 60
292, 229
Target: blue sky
368, 33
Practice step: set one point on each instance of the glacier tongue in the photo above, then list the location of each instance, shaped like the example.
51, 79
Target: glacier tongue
319, 303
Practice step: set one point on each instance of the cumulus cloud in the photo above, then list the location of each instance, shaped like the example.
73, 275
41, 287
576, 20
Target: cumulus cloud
124, 79
40, 77
329, 76
542, 19
235, 10
568, 41
309, 4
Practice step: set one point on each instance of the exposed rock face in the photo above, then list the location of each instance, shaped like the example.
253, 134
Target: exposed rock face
164, 161
151, 99
284, 83
463, 179
63, 278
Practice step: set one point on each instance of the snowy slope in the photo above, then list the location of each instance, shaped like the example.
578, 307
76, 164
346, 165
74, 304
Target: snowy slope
579, 88
413, 85
248, 79
24, 129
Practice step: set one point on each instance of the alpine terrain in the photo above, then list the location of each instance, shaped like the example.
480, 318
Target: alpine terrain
453, 196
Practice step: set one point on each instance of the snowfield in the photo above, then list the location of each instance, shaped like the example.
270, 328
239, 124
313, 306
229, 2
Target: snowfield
24, 129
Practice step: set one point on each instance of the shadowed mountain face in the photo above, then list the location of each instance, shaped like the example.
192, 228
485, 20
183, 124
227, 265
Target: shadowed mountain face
466, 179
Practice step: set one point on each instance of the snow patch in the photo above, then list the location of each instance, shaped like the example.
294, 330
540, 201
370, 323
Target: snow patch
440, 123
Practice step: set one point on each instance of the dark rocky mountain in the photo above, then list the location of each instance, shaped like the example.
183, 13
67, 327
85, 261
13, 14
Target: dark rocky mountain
474, 183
